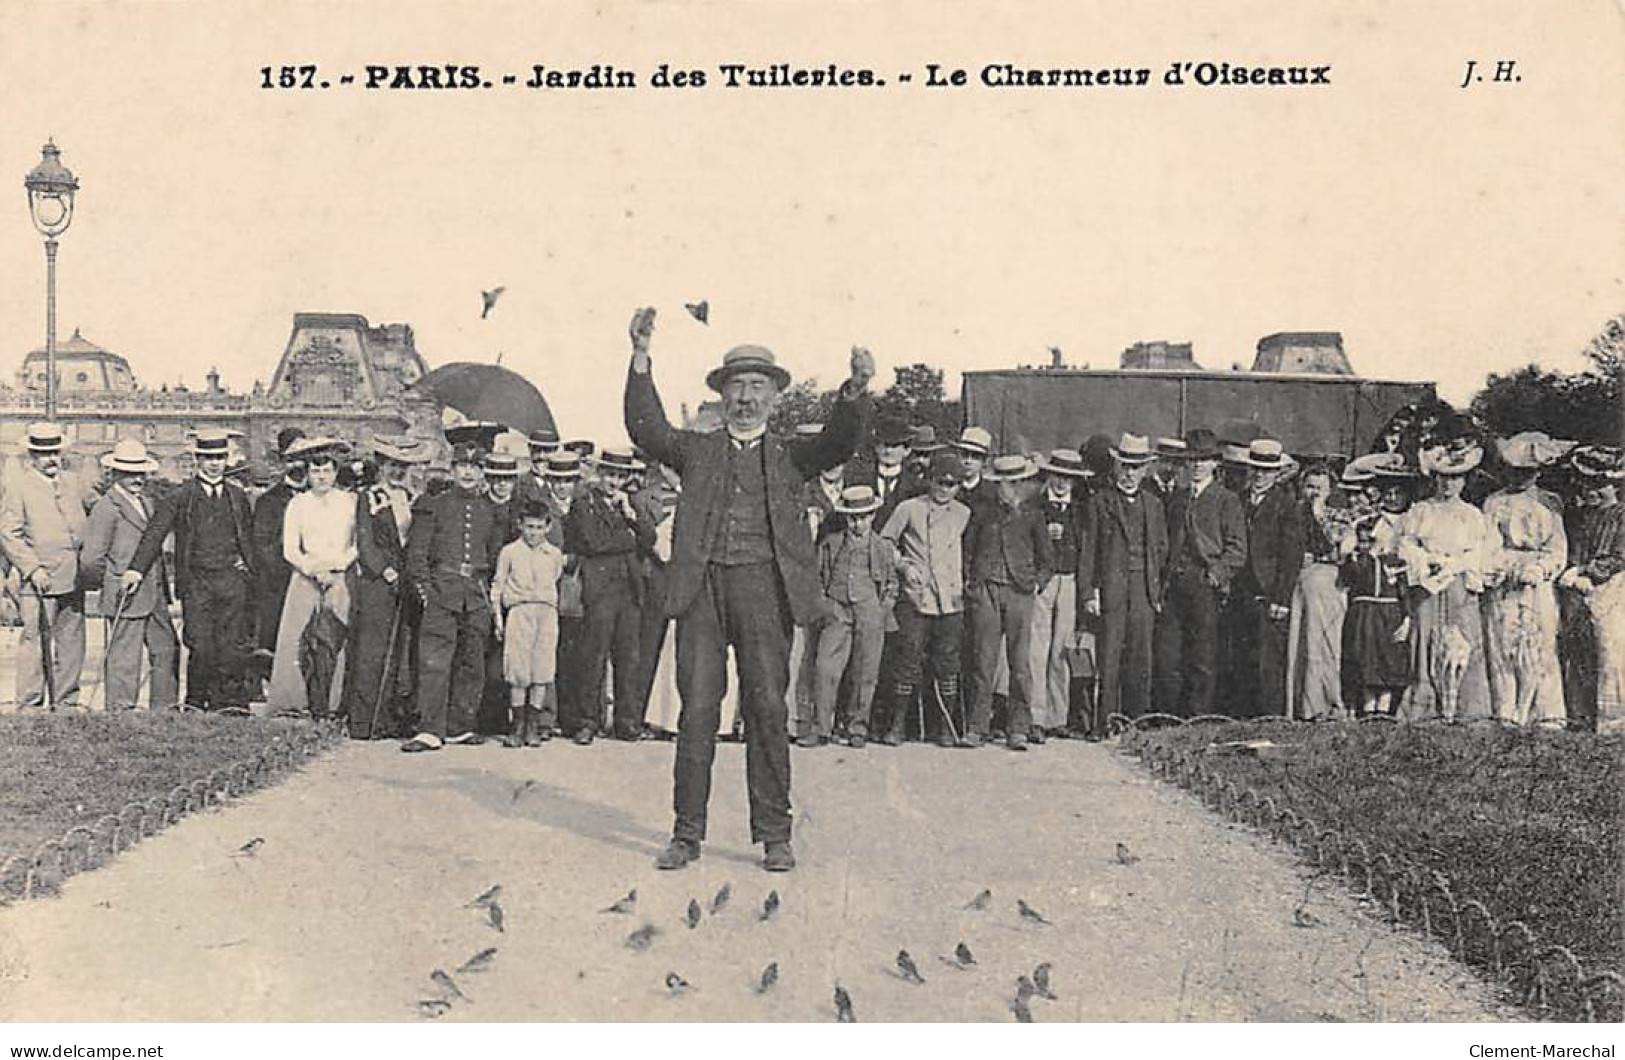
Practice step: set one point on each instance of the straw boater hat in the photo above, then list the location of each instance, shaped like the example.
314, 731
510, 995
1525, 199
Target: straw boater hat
1012, 467
308, 449
857, 500
1134, 449
619, 460
400, 448
131, 458
975, 440
1068, 462
1267, 454
747, 358
1173, 448
923, 440
501, 465
1531, 449
44, 438
563, 464
213, 441
1457, 458
543, 441
1599, 461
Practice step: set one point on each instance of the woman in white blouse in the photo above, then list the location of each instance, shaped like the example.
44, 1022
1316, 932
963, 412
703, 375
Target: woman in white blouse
318, 541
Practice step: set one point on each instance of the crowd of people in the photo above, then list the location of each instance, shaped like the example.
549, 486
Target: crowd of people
964, 596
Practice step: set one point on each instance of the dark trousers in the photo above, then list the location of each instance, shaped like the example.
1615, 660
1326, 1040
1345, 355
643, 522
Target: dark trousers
611, 635
568, 677
925, 641
218, 637
1187, 646
379, 681
1127, 624
1000, 612
451, 655
1258, 650
744, 607
271, 588
652, 626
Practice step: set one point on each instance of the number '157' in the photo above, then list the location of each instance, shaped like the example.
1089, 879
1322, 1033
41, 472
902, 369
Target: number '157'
288, 77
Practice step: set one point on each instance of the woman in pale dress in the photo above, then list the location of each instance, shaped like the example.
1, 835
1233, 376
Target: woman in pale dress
318, 541
1446, 545
1315, 631
1520, 601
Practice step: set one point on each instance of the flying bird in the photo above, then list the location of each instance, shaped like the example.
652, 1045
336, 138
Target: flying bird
493, 916
625, 905
963, 955
981, 901
1126, 856
1041, 982
700, 311
642, 938
1021, 1010
770, 906
676, 983
720, 899
479, 962
1029, 913
490, 299
1024, 988
447, 985
770, 975
693, 917
486, 897
433, 1008
907, 968
527, 785
843, 1006
250, 848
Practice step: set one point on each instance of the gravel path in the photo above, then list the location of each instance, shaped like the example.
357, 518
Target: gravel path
358, 893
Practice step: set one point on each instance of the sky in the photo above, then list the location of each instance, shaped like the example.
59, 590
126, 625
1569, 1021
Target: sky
1446, 232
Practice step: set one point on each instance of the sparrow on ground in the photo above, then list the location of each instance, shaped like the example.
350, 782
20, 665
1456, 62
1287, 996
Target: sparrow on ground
479, 962
720, 899
486, 897
963, 955
981, 901
1126, 856
692, 919
843, 1006
676, 983
250, 848
447, 985
433, 1008
770, 975
527, 785
625, 905
907, 968
770, 906
1041, 982
1029, 913
1021, 1010
493, 915
642, 938
1024, 988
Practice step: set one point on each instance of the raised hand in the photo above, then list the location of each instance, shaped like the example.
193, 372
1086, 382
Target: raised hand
642, 326
863, 367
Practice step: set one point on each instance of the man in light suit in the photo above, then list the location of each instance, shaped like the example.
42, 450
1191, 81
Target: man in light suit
42, 524
140, 618
742, 573
1207, 544
1120, 562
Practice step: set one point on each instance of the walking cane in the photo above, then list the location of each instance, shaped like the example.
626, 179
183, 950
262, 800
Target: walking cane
953, 730
112, 628
389, 658
46, 652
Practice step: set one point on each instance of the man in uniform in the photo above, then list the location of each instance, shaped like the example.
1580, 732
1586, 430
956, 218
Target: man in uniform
741, 574
501, 472
272, 570
214, 569
384, 622
42, 523
139, 619
451, 553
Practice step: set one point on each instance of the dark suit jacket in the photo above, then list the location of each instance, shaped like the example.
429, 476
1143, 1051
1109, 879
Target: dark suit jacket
174, 512
863, 471
1275, 542
268, 512
1103, 550
701, 460
1021, 537
607, 546
377, 536
1218, 528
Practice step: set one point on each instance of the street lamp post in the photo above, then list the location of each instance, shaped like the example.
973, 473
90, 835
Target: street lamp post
51, 188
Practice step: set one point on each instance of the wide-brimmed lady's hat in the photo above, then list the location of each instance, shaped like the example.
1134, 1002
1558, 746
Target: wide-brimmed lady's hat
857, 500
1374, 466
1456, 458
1598, 461
44, 437
284, 438
747, 358
1531, 449
1068, 462
401, 448
1134, 449
1267, 454
319, 447
130, 457
975, 440
565, 463
1012, 467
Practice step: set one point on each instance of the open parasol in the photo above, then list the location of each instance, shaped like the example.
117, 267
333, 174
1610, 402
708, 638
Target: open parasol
489, 392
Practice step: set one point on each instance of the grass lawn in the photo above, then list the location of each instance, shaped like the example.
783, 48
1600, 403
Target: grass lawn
67, 769
1529, 823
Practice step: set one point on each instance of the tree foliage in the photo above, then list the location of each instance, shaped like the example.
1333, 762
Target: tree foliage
916, 394
1585, 406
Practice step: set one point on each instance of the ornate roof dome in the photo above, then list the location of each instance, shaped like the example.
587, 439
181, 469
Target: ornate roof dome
81, 367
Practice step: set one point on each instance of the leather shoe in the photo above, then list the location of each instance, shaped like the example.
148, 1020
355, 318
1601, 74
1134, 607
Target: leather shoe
678, 853
779, 858
857, 741
584, 738
971, 739
1016, 742
892, 739
1036, 736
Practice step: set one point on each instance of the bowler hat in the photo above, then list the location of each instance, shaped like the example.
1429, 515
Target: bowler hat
1201, 444
944, 465
892, 430
747, 358
923, 439
544, 440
